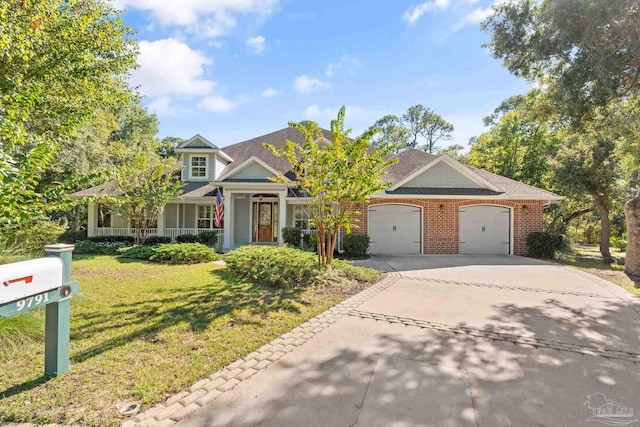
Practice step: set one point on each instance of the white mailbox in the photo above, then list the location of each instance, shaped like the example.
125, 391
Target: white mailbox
23, 279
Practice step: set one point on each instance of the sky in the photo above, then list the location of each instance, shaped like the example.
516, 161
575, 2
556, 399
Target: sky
232, 70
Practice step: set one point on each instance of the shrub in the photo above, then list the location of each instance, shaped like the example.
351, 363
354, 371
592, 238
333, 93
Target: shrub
310, 242
352, 272
71, 236
280, 267
99, 248
292, 236
543, 244
111, 239
183, 253
619, 242
137, 252
187, 238
156, 240
208, 238
355, 244
36, 235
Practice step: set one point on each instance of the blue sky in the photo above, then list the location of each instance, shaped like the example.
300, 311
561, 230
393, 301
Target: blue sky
235, 69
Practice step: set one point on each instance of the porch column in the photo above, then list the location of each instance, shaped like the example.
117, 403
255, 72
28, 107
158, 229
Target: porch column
226, 226
92, 222
160, 230
282, 215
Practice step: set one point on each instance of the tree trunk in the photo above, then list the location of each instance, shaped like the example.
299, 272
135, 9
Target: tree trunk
605, 233
632, 257
76, 219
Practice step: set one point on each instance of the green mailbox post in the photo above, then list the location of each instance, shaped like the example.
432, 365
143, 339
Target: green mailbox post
44, 282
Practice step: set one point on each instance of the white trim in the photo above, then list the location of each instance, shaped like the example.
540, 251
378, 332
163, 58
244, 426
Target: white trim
401, 204
206, 168
462, 169
194, 138
205, 151
241, 166
511, 222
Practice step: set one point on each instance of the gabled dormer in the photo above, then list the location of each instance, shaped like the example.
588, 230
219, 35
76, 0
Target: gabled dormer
202, 160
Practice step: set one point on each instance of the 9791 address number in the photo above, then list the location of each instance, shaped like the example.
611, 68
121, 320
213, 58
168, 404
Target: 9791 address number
33, 301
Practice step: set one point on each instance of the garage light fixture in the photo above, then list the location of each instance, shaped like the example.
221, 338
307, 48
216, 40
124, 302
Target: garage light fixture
441, 207
525, 208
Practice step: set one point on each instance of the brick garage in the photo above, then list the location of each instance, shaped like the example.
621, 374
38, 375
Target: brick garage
440, 220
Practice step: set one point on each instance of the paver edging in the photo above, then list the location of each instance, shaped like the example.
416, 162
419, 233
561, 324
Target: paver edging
183, 404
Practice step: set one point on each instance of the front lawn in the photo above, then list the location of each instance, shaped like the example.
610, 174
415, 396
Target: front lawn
588, 258
142, 332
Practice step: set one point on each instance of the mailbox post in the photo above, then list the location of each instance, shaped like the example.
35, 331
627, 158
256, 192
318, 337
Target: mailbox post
46, 282
58, 318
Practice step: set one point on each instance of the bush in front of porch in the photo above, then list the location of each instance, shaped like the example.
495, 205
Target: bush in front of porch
286, 268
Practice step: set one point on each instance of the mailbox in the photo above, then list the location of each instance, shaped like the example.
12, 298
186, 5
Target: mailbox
24, 279
44, 282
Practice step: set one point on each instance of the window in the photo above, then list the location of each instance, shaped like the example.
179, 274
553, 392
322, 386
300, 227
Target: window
205, 216
198, 166
300, 218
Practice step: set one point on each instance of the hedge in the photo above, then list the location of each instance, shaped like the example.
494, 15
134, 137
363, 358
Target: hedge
280, 267
543, 244
355, 244
156, 240
292, 236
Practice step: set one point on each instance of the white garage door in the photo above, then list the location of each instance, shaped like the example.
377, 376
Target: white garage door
395, 229
485, 230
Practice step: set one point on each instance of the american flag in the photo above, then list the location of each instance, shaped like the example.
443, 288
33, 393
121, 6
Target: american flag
219, 210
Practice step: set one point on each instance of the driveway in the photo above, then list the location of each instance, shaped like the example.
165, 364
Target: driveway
455, 341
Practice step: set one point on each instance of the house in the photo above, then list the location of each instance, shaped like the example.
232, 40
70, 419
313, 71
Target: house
435, 205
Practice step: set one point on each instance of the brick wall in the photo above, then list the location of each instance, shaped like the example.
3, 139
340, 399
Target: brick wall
440, 221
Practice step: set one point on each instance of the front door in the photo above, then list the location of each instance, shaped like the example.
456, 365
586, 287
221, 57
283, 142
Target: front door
265, 222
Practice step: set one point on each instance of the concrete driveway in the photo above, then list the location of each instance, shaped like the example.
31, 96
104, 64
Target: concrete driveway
456, 341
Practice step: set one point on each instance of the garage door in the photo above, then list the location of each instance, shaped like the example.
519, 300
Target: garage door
395, 229
485, 230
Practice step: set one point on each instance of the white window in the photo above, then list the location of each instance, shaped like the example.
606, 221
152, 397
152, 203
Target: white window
205, 216
300, 218
198, 166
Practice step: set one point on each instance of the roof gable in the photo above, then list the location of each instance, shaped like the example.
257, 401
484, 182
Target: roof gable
251, 169
198, 141
444, 172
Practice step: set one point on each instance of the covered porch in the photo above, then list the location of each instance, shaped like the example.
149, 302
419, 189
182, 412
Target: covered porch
250, 217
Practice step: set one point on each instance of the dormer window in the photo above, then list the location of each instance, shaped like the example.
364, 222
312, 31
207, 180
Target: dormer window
198, 166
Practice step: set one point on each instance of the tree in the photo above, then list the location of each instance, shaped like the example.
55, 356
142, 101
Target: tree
455, 151
586, 163
418, 124
519, 142
391, 132
144, 185
61, 60
334, 175
586, 52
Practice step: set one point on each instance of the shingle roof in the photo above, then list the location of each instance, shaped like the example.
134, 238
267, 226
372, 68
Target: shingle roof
409, 161
242, 151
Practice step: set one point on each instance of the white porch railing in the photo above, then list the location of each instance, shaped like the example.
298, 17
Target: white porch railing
168, 232
100, 231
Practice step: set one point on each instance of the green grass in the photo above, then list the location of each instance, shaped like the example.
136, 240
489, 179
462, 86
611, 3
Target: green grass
142, 332
588, 258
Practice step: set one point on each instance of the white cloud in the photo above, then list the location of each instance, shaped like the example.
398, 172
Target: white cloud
208, 18
413, 14
256, 44
269, 93
306, 84
162, 106
349, 63
217, 103
478, 15
171, 67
